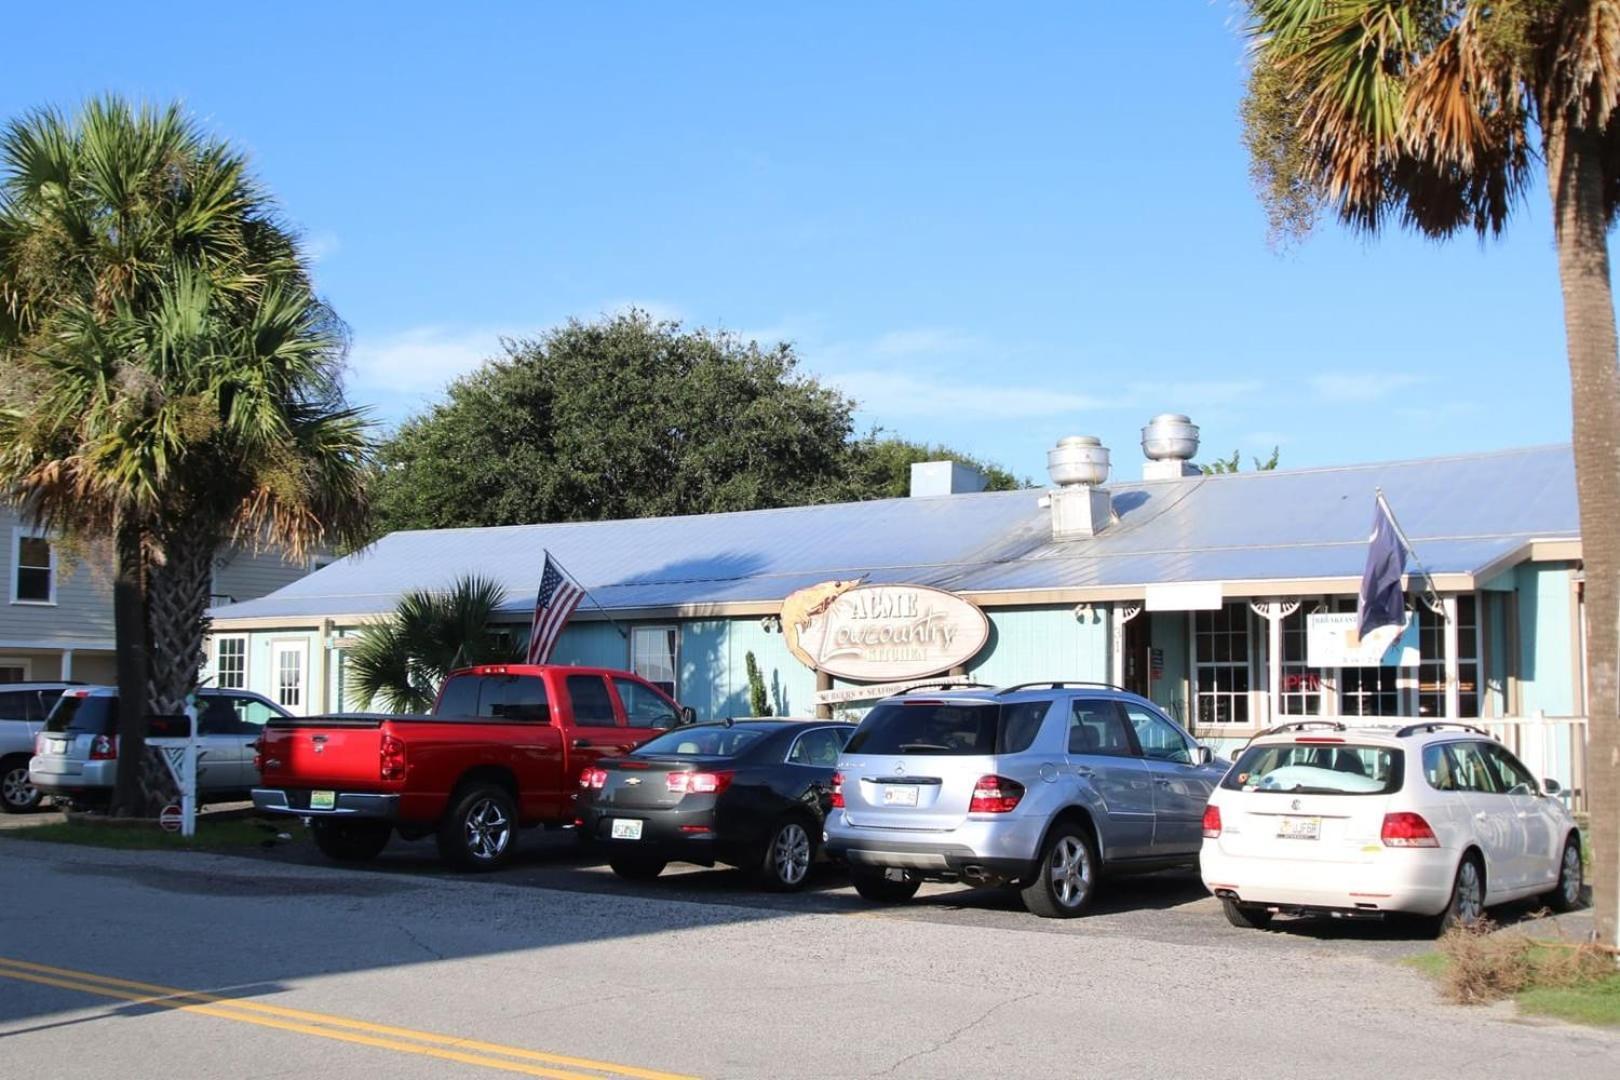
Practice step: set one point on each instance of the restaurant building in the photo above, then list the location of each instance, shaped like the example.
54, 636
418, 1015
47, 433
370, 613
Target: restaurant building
1228, 599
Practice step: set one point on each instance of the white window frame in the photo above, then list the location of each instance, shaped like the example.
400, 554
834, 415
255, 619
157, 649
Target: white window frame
219, 640
20, 533
675, 657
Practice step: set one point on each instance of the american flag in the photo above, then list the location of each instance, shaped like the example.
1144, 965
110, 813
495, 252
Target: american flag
559, 596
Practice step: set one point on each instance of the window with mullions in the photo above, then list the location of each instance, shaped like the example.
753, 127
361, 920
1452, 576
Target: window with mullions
1432, 665
1368, 691
1221, 638
1301, 683
230, 663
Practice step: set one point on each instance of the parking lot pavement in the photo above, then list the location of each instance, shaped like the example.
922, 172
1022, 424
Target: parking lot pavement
554, 959
1170, 907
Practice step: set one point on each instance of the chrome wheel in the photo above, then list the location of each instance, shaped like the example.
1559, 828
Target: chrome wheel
488, 829
15, 789
1470, 900
790, 854
1070, 871
1569, 881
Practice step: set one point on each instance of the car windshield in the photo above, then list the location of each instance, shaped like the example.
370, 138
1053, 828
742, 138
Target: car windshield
84, 714
948, 728
705, 741
1317, 769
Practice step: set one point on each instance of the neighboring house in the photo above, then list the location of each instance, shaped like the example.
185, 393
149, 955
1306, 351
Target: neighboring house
56, 618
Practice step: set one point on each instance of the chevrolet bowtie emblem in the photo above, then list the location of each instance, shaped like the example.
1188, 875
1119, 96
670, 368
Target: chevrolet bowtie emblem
632, 781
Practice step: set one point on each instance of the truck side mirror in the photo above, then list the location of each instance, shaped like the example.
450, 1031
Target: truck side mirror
688, 715
1203, 754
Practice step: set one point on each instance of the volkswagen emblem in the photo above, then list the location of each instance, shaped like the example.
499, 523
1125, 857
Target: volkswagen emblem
1295, 805
631, 781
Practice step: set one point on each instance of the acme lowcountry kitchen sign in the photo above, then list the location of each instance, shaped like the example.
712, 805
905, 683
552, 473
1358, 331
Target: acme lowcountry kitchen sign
881, 633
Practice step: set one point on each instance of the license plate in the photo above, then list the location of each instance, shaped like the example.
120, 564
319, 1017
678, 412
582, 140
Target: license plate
1299, 828
899, 796
626, 829
322, 800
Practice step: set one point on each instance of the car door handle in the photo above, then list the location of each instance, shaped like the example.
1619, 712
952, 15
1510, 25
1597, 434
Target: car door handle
1162, 783
582, 744
1481, 815
1081, 770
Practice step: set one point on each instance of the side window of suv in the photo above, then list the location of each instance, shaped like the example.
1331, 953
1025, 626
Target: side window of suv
1510, 776
1097, 727
1159, 738
1470, 770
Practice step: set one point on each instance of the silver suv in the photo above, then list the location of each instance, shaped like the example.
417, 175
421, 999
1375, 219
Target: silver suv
23, 708
1047, 785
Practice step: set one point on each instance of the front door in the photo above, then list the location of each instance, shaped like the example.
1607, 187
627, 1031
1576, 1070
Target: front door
1181, 787
1137, 648
289, 671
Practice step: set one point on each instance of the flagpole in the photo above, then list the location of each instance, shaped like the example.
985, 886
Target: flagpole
623, 633
1432, 594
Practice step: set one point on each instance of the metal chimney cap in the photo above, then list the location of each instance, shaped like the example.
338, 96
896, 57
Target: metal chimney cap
1170, 437
1078, 459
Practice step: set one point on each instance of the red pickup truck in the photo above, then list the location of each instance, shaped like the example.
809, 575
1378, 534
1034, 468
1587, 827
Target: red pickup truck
503, 747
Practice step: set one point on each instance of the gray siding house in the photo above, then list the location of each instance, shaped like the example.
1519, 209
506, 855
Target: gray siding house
56, 613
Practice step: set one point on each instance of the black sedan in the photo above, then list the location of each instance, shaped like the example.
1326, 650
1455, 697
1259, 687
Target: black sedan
746, 793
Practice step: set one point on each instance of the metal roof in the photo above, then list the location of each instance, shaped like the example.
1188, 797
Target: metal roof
1463, 514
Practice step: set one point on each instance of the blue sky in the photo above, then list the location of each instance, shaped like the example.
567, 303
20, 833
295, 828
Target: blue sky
994, 225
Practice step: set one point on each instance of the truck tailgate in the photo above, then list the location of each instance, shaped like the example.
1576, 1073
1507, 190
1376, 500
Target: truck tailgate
322, 752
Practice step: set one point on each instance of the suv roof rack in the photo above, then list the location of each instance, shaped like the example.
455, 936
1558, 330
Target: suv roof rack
1301, 725
1432, 725
943, 686
1061, 684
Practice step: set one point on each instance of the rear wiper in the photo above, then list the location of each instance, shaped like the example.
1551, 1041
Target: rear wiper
1302, 789
907, 747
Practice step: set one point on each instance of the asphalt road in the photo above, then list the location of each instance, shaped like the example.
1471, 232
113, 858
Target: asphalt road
554, 968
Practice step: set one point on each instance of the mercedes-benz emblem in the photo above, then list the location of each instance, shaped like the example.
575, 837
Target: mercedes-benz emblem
899, 768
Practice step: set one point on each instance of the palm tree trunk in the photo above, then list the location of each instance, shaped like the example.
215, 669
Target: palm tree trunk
1575, 178
129, 630
178, 598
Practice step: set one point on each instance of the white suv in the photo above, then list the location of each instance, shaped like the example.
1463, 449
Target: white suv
1435, 820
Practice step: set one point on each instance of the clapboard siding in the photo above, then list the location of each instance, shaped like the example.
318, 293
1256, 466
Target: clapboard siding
82, 614
246, 575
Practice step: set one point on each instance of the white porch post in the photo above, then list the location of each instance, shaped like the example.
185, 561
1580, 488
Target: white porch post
1274, 612
67, 665
1123, 613
1448, 612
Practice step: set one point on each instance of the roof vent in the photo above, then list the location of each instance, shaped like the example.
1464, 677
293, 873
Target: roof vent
1080, 506
1170, 442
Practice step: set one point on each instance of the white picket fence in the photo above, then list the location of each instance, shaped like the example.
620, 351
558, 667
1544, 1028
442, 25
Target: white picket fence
1551, 747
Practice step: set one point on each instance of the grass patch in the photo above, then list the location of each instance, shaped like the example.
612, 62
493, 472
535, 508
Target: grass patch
1571, 981
229, 834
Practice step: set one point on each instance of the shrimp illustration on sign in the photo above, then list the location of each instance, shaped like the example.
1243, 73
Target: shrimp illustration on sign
801, 610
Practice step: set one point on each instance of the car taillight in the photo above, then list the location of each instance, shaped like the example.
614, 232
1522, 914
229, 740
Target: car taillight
698, 783
39, 744
995, 795
593, 778
104, 748
1407, 830
1212, 821
838, 791
391, 758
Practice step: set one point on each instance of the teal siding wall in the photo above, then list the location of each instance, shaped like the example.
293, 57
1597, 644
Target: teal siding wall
1546, 658
1041, 643
789, 684
590, 644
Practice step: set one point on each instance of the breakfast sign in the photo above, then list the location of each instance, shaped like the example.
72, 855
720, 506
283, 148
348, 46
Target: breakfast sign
881, 633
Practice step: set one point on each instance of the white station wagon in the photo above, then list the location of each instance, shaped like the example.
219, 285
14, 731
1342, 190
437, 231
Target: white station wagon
1435, 820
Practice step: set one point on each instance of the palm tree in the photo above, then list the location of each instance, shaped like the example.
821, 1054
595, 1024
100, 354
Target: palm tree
401, 660
1433, 112
167, 379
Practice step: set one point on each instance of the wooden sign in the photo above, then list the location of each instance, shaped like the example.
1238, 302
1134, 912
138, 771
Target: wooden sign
881, 633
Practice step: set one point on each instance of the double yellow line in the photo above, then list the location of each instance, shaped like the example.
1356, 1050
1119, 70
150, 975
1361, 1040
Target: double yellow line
510, 1059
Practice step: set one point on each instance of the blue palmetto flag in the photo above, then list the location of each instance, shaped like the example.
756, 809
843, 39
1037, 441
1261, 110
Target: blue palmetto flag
1381, 601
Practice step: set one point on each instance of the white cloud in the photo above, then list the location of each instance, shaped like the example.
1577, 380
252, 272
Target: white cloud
1363, 386
419, 360
889, 393
320, 246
